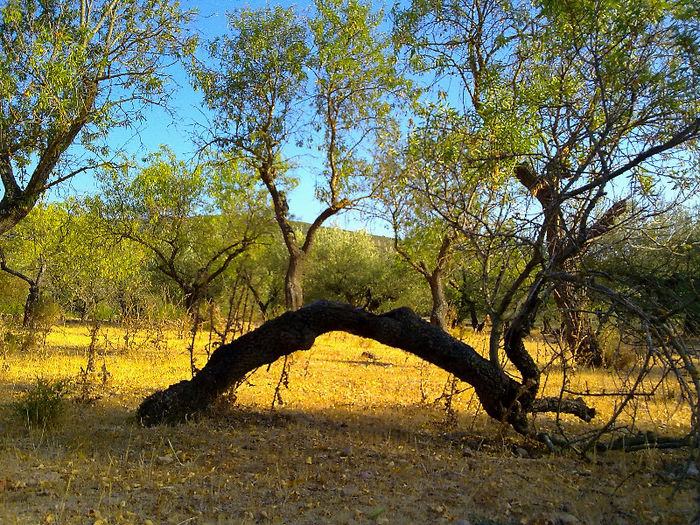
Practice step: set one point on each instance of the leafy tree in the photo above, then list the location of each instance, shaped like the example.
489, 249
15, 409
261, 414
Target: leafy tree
579, 98
90, 271
30, 248
448, 198
69, 73
424, 242
193, 220
265, 73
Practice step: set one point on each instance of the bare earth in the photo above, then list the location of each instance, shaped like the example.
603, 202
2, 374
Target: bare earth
357, 440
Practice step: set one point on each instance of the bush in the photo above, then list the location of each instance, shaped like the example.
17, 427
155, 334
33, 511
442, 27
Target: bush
617, 353
43, 404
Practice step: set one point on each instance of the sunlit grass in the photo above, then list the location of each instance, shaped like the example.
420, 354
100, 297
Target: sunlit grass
362, 436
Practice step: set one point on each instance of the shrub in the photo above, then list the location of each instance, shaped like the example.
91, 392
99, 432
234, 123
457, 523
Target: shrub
617, 353
42, 404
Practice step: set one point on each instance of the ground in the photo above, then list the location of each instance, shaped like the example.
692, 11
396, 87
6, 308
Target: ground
359, 438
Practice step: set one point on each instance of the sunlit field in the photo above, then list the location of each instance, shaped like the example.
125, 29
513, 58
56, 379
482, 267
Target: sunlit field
359, 433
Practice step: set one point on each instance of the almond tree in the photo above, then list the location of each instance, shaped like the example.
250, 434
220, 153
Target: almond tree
278, 81
70, 71
193, 220
587, 108
27, 251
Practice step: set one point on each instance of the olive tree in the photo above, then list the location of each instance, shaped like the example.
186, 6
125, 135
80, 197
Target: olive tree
359, 269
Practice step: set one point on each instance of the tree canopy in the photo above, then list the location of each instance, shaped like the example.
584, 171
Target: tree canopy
69, 73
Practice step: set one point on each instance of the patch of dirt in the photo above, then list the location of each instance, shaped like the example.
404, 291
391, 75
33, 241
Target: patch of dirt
353, 444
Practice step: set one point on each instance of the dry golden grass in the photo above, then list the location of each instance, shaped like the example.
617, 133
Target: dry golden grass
357, 440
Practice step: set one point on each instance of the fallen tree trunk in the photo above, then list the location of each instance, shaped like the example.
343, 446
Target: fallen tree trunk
502, 397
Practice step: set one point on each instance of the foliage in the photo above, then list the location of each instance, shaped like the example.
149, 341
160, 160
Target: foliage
90, 270
575, 112
42, 404
358, 269
29, 253
69, 73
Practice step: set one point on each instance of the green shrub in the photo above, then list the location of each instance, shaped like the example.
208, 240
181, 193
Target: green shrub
42, 404
617, 353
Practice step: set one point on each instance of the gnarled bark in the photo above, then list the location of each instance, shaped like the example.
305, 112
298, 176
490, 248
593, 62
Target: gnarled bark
502, 397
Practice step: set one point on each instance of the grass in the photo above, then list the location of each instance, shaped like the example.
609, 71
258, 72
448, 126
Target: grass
357, 440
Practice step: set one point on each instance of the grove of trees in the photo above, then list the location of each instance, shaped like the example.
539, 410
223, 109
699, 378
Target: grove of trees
535, 166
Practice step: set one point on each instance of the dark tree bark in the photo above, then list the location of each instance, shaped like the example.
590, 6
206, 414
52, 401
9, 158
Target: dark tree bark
440, 310
30, 305
502, 397
34, 295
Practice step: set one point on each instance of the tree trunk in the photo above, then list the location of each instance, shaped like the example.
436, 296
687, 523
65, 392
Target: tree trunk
495, 338
293, 291
438, 315
192, 297
29, 320
501, 396
578, 335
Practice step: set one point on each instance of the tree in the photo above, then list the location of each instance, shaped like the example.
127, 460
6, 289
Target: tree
576, 99
449, 199
28, 252
193, 220
358, 269
90, 270
503, 397
656, 266
69, 73
426, 245
264, 75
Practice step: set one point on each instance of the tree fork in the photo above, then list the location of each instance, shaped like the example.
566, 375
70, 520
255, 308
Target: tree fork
499, 394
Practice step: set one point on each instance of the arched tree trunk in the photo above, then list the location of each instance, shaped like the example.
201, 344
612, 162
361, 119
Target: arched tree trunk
502, 397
